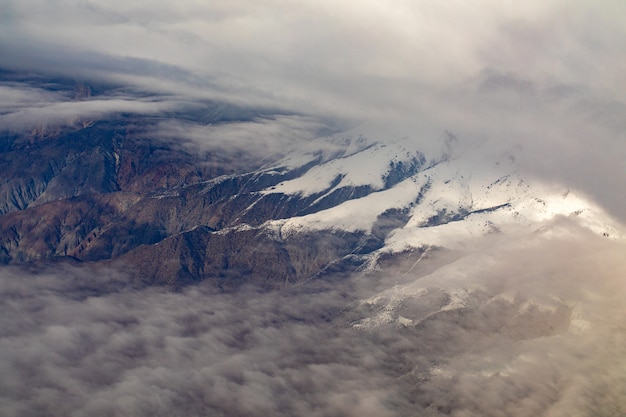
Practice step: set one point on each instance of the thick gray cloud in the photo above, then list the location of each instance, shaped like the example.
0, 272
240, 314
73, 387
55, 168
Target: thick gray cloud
544, 75
541, 334
336, 52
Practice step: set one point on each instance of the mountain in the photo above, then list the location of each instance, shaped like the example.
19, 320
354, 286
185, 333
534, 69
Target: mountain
104, 191
212, 259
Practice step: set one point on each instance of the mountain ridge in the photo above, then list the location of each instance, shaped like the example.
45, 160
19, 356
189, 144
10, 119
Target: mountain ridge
109, 188
369, 197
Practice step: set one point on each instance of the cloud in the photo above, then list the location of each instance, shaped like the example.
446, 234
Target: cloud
77, 341
546, 76
269, 137
68, 113
156, 353
355, 55
17, 96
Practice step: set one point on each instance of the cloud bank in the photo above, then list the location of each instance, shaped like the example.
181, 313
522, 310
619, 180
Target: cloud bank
546, 76
540, 334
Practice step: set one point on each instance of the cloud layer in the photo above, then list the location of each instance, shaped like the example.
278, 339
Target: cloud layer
78, 342
546, 76
326, 52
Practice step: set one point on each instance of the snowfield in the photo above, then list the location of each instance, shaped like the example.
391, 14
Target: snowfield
452, 201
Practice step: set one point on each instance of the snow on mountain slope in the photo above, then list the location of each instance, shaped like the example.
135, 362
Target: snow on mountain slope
358, 214
457, 288
369, 166
529, 283
505, 207
450, 202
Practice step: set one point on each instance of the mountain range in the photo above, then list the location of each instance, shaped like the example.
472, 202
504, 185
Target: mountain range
216, 259
107, 192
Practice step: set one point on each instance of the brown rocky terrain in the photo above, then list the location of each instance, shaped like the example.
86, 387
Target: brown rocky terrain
104, 192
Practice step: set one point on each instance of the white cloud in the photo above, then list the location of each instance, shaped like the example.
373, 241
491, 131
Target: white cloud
68, 113
265, 138
78, 341
342, 52
545, 75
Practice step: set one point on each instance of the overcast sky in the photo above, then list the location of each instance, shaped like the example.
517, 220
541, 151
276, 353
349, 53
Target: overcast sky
353, 56
546, 75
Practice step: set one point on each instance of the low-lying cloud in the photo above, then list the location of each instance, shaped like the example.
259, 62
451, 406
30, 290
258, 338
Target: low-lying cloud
78, 342
69, 113
264, 137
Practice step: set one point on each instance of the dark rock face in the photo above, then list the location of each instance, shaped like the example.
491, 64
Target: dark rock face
235, 257
104, 192
101, 158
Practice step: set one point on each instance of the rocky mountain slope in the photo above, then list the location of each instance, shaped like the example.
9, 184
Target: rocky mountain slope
104, 191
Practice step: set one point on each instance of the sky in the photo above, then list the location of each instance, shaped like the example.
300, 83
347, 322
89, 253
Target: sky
543, 76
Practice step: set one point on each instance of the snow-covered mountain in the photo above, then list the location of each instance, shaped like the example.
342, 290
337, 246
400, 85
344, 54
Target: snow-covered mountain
450, 201
361, 259
342, 201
